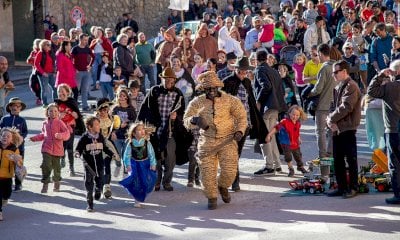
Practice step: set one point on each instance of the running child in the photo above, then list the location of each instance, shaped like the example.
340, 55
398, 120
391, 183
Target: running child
289, 136
140, 161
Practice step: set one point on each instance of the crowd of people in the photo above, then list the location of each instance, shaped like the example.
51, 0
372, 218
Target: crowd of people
248, 72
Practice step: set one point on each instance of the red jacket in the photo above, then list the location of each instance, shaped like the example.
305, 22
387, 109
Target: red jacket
105, 44
366, 14
66, 71
267, 33
51, 145
293, 130
48, 66
322, 10
31, 59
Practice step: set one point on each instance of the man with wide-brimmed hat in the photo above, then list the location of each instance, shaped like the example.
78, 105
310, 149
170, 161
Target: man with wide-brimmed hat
14, 106
164, 107
238, 85
222, 121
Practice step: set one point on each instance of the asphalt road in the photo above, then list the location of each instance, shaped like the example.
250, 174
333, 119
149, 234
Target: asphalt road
266, 208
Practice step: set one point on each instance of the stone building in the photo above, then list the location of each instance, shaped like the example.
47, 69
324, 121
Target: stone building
17, 28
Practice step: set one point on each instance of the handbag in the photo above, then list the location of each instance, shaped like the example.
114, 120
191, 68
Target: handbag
21, 172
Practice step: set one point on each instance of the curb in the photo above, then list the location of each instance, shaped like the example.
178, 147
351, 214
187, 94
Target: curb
20, 81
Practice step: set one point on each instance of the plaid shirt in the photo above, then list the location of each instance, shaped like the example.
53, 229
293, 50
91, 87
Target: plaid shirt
137, 101
223, 73
165, 105
243, 97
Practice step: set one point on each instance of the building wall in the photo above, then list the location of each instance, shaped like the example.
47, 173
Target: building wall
6, 33
150, 14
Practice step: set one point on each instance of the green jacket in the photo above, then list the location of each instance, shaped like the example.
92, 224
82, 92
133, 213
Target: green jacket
144, 53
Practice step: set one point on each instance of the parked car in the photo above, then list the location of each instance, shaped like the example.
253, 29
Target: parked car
192, 25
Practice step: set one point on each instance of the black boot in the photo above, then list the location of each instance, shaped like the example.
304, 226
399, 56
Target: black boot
89, 199
71, 163
235, 184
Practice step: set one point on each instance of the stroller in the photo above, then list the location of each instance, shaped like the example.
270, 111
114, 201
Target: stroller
287, 54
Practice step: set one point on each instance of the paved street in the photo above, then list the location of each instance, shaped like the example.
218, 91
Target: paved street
266, 208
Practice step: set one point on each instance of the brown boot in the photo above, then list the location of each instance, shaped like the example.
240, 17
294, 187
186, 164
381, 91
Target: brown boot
212, 203
56, 187
44, 188
226, 197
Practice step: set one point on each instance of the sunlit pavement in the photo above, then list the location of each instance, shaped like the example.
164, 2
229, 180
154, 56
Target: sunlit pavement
263, 209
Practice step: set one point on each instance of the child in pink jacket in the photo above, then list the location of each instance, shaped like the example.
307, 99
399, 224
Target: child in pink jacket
54, 133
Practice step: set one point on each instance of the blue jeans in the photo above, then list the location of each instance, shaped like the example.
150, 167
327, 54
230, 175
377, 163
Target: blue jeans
149, 71
393, 152
83, 79
47, 86
95, 66
107, 90
120, 145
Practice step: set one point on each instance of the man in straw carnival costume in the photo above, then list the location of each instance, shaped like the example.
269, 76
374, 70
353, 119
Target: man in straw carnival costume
222, 121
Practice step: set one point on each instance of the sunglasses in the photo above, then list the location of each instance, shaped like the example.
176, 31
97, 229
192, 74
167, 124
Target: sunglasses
337, 71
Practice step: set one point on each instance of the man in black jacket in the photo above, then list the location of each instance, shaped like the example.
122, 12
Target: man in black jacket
164, 107
238, 85
298, 37
270, 98
129, 22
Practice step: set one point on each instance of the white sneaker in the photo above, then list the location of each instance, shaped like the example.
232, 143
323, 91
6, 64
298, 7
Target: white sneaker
1, 216
137, 205
4, 202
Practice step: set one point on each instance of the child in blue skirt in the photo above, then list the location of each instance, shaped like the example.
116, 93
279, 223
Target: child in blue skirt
140, 162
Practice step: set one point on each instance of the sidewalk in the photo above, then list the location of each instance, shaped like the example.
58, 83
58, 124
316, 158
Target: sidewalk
19, 74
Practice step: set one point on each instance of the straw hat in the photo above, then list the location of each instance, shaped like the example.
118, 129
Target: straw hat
208, 79
15, 100
167, 73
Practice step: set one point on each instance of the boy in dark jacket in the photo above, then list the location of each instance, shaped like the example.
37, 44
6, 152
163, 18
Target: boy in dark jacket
91, 147
14, 107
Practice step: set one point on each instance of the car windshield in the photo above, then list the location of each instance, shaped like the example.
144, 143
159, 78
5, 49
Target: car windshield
192, 25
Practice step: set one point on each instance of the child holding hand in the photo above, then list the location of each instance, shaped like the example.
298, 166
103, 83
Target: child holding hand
289, 136
54, 133
140, 162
